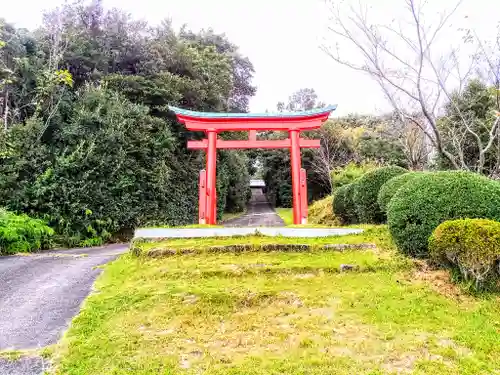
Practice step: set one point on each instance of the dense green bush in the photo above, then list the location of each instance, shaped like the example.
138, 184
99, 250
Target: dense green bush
418, 208
277, 177
110, 172
338, 204
233, 182
366, 193
472, 246
93, 149
350, 173
390, 188
350, 204
20, 233
276, 173
116, 167
343, 204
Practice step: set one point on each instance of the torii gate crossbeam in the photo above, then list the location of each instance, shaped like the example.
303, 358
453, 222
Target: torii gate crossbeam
213, 123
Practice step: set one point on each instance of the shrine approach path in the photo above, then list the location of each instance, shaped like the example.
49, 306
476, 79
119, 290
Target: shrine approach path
259, 213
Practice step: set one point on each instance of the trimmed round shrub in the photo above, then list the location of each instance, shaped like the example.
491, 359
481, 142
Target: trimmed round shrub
472, 246
366, 193
338, 204
350, 204
419, 207
343, 204
390, 188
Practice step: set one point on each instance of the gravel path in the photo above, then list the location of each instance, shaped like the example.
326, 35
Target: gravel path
259, 214
40, 294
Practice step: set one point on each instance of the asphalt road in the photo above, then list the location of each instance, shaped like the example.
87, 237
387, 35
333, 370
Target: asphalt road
40, 294
259, 214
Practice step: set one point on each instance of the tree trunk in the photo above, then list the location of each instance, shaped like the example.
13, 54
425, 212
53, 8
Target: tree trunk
5, 109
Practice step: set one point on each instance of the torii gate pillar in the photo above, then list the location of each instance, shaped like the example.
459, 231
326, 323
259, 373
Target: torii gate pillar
295, 161
212, 123
211, 178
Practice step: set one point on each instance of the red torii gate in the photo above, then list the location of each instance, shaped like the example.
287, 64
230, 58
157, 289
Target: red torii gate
212, 123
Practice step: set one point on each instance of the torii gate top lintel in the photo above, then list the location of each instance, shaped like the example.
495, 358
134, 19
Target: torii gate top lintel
203, 121
212, 123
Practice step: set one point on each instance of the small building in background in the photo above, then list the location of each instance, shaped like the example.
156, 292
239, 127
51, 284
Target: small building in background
257, 184
258, 187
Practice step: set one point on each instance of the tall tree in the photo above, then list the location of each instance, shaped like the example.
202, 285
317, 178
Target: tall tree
417, 76
92, 146
476, 147
301, 100
11, 51
242, 68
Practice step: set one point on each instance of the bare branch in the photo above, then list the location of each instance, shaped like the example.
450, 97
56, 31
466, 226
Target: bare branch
408, 84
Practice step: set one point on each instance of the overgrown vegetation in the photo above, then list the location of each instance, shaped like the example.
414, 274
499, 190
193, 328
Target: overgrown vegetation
87, 142
278, 312
321, 213
472, 247
20, 233
349, 173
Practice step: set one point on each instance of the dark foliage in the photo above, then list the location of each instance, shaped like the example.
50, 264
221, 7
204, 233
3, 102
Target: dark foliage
344, 206
338, 203
90, 145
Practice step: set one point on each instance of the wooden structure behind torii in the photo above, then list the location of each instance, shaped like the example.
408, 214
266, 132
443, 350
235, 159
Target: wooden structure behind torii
213, 123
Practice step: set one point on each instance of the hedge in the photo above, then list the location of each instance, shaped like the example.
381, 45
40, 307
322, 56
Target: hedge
343, 204
114, 167
472, 246
20, 233
390, 188
338, 204
418, 208
366, 193
350, 204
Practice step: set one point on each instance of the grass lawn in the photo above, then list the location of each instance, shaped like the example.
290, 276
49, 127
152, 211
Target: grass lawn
232, 215
280, 313
286, 214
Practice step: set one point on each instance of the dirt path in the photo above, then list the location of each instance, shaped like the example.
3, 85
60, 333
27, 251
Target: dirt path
259, 214
40, 294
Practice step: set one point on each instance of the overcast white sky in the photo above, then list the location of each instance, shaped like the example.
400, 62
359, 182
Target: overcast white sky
281, 38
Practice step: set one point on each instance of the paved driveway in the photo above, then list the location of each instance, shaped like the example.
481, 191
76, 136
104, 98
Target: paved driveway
259, 214
40, 294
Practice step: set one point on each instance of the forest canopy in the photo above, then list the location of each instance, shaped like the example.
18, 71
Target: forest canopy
88, 143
